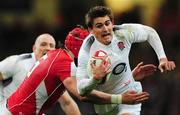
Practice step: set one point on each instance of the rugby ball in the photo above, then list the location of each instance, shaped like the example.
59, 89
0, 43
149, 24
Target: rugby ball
97, 59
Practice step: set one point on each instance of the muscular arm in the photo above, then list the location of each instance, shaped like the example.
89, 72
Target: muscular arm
68, 105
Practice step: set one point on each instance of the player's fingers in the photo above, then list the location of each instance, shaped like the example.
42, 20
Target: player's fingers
92, 64
172, 65
142, 95
150, 66
161, 68
108, 69
131, 92
140, 64
148, 73
141, 100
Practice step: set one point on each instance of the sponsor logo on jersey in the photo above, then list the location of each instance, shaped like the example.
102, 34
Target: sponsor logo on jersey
119, 68
121, 45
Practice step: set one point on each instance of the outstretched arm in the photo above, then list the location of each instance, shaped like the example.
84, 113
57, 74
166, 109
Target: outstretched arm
141, 33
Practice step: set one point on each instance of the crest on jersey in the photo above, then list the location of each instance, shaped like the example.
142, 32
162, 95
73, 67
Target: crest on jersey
121, 45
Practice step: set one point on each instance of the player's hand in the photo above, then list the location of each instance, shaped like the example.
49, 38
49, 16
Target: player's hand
100, 71
165, 65
141, 71
132, 97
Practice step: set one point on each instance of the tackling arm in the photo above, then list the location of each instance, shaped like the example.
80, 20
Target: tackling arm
68, 105
99, 97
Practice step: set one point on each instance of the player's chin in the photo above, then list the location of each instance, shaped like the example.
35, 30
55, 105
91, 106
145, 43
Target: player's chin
107, 39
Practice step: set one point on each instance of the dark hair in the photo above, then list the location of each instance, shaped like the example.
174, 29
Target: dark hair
95, 12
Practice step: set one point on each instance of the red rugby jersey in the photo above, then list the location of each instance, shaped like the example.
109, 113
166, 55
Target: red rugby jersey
43, 85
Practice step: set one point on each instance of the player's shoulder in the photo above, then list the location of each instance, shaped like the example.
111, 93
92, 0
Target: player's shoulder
88, 42
25, 56
130, 26
18, 57
59, 53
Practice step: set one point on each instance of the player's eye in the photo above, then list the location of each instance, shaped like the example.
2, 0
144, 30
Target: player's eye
43, 44
52, 45
99, 26
107, 23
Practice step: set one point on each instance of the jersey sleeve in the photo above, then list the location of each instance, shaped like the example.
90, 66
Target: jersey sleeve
7, 66
141, 33
64, 66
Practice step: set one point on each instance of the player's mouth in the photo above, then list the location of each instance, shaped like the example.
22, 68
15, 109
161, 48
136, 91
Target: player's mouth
106, 34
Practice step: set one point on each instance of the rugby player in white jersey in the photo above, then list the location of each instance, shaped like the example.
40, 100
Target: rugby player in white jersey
116, 41
74, 41
17, 67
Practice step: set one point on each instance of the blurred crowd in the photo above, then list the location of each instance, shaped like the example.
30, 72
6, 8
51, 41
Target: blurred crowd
19, 28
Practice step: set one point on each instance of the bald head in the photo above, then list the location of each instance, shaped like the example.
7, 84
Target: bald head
43, 44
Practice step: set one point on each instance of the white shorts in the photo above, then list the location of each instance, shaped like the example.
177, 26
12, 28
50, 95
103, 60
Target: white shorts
129, 109
3, 108
124, 109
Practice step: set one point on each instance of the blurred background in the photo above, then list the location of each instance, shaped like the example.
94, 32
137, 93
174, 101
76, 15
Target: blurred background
21, 21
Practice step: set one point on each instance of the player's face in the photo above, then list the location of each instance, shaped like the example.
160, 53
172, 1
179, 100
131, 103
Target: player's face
42, 45
103, 29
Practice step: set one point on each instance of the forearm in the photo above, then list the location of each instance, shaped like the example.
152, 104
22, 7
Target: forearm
85, 86
98, 97
68, 105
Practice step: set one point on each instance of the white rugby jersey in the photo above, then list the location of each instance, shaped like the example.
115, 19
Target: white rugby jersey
15, 67
121, 79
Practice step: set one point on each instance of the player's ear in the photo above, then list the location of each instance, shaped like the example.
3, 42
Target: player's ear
90, 30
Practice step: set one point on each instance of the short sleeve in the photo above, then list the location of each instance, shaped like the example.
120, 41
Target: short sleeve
64, 66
